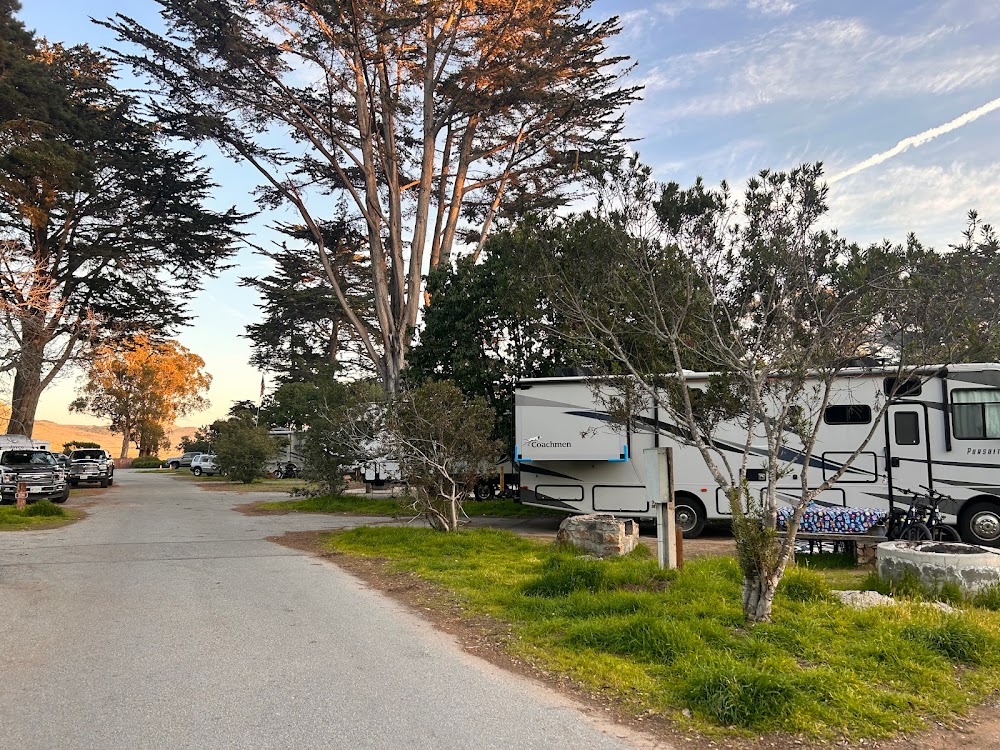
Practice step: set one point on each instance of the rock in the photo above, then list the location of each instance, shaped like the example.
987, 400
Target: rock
600, 535
865, 599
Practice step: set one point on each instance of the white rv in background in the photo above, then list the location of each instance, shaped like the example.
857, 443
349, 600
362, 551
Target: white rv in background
941, 431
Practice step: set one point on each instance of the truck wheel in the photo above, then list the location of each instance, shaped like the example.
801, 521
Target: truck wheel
104, 482
979, 523
111, 480
689, 515
62, 498
74, 482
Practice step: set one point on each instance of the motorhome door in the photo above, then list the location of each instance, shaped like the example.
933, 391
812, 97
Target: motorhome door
908, 449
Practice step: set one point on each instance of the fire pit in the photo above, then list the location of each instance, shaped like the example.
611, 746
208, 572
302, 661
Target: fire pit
971, 566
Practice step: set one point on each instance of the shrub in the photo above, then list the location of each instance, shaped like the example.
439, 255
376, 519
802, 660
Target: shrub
44, 508
147, 462
242, 449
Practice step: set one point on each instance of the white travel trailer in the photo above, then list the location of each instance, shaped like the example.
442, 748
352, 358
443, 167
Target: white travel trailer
941, 431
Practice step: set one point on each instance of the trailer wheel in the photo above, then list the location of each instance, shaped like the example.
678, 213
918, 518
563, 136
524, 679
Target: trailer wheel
689, 515
979, 523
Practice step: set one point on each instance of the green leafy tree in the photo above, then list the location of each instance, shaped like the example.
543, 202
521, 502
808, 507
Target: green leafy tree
433, 121
142, 384
305, 332
244, 410
344, 426
77, 444
103, 227
243, 449
488, 326
201, 441
754, 290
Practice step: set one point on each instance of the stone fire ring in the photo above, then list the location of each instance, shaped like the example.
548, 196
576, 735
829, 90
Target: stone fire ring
971, 566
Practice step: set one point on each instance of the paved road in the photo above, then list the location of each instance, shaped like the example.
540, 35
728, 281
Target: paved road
166, 620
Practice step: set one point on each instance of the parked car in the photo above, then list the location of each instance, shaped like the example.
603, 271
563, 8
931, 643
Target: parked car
185, 460
91, 465
205, 463
61, 458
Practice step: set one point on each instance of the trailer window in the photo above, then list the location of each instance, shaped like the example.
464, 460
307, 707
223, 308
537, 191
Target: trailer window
848, 414
901, 387
907, 424
975, 414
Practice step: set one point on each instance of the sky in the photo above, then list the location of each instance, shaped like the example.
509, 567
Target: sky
900, 100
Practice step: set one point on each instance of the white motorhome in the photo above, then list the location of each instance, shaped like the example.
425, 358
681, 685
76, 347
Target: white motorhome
941, 431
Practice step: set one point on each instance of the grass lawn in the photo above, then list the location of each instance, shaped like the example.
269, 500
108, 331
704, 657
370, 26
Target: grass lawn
40, 515
662, 641
389, 506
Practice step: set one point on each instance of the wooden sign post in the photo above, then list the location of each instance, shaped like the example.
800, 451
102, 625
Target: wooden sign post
660, 491
21, 496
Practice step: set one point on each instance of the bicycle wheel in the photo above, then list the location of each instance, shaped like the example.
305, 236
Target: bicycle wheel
943, 533
916, 532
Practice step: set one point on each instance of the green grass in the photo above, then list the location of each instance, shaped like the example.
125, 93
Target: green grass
398, 506
664, 641
43, 514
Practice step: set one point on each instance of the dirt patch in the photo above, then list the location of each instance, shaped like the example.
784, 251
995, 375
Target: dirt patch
255, 509
489, 639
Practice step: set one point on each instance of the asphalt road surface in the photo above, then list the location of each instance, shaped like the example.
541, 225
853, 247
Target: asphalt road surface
166, 620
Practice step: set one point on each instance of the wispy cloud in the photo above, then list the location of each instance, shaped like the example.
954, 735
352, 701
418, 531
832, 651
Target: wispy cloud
919, 139
931, 201
827, 61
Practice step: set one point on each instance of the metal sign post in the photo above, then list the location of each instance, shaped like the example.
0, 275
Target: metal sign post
21, 495
660, 491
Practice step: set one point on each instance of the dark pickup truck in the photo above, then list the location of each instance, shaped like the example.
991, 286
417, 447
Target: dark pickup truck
37, 469
91, 465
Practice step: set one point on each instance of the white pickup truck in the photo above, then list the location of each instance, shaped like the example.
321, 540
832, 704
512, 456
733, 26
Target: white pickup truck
91, 465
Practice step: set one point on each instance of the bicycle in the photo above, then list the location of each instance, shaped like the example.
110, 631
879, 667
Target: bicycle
922, 521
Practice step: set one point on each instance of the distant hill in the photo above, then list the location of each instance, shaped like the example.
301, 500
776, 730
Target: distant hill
58, 434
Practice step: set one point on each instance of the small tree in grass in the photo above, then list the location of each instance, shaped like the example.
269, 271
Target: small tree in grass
443, 443
242, 449
663, 281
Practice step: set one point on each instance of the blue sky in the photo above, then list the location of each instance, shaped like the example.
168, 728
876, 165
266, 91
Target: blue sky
732, 87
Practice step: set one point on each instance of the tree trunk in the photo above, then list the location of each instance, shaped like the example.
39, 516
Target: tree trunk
127, 430
454, 514
758, 597
27, 389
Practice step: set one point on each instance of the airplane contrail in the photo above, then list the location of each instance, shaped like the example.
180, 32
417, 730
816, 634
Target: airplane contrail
918, 140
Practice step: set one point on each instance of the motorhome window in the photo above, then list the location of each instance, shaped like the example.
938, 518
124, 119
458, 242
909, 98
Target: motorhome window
848, 414
899, 388
907, 424
975, 414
